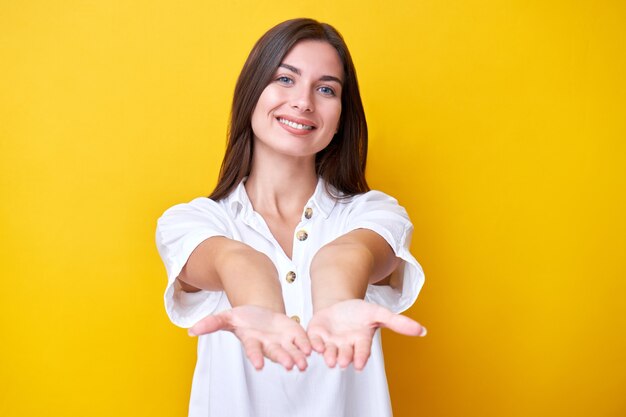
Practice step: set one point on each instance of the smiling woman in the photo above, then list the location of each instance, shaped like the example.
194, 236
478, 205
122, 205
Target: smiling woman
292, 257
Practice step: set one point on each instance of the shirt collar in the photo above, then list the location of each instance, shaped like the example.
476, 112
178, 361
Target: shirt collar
322, 199
239, 203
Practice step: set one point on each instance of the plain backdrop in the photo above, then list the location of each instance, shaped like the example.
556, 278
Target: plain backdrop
499, 125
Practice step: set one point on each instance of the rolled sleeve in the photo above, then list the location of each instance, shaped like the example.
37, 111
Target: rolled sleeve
380, 213
179, 232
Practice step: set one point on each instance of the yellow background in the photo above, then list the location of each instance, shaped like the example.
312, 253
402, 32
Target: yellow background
500, 125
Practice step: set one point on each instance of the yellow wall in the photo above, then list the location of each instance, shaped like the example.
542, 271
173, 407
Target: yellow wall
499, 125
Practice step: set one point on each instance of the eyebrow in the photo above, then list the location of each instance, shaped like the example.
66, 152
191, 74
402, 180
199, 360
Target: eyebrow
322, 78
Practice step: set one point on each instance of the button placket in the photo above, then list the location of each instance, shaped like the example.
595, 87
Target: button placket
302, 235
291, 288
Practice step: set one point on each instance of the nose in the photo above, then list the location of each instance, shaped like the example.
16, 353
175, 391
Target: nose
302, 100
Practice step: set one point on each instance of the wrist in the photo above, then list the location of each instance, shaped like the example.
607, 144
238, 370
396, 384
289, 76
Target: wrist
322, 303
335, 279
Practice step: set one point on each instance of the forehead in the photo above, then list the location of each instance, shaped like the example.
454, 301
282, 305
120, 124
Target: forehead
315, 58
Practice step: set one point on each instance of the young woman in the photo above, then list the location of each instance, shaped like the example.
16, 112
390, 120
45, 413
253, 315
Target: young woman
292, 257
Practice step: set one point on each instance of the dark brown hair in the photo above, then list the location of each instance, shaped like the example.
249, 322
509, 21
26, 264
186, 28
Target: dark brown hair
342, 163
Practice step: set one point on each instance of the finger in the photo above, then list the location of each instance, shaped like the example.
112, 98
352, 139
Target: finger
405, 325
346, 353
297, 355
398, 323
278, 354
317, 343
362, 351
210, 324
254, 352
330, 355
303, 343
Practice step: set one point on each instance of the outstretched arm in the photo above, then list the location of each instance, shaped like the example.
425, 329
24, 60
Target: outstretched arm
258, 319
246, 275
343, 325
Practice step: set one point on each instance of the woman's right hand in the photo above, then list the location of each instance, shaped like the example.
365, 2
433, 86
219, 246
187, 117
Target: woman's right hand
263, 333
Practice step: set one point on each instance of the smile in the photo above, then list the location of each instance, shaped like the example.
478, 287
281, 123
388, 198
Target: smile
294, 125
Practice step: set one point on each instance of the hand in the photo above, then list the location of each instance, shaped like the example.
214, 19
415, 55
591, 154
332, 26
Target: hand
343, 332
262, 332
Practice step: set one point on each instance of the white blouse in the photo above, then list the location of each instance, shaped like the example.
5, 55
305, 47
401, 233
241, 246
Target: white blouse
224, 382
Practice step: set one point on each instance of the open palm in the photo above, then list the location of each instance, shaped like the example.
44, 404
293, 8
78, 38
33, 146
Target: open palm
263, 333
343, 332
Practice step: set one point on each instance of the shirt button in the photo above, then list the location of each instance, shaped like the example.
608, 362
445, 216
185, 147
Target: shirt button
296, 319
302, 235
291, 277
308, 213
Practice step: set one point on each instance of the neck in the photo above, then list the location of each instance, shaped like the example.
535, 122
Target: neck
280, 184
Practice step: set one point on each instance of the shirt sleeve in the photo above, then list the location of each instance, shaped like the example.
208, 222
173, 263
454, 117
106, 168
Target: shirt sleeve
382, 214
179, 231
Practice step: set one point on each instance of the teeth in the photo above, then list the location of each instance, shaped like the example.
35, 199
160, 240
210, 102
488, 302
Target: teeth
295, 125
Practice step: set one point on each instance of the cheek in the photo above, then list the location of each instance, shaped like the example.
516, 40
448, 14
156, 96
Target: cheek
333, 117
336, 117
270, 98
263, 107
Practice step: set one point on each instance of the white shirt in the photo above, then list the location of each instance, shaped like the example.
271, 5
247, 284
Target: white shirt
224, 382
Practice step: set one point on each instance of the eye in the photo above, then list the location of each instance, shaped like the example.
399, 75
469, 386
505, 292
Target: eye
283, 79
327, 91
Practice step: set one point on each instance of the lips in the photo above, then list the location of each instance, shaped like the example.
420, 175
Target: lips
296, 123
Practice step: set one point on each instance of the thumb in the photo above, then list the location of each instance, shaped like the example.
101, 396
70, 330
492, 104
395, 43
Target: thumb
405, 325
210, 324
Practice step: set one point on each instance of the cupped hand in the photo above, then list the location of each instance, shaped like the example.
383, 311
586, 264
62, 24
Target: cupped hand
263, 333
343, 332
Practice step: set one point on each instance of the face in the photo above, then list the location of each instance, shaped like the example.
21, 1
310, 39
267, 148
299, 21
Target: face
298, 112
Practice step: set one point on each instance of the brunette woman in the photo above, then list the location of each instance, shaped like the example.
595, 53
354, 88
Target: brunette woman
292, 257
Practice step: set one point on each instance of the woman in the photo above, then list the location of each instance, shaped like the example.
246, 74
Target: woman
291, 253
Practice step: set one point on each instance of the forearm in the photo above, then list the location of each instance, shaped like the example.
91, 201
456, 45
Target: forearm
342, 269
247, 276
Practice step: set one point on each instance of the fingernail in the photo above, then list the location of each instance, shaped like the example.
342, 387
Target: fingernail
191, 333
423, 332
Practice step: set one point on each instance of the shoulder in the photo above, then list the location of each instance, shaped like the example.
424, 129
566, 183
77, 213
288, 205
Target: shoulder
371, 200
372, 208
197, 210
378, 212
197, 204
373, 196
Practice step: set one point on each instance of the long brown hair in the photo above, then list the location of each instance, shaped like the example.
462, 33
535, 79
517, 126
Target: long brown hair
342, 163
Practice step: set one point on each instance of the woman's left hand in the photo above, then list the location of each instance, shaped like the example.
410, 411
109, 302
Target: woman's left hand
343, 332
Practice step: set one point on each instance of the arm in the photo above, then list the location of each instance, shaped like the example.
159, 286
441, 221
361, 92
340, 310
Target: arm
247, 276
257, 318
343, 325
342, 269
